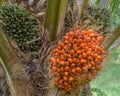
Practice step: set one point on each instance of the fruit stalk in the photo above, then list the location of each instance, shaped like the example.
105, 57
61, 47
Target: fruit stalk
55, 17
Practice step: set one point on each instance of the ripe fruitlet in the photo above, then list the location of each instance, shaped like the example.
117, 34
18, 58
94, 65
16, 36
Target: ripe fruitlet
74, 70
89, 66
66, 37
84, 68
82, 61
75, 60
60, 81
67, 68
57, 79
79, 52
66, 73
71, 78
54, 69
70, 60
73, 65
78, 69
65, 78
52, 59
72, 52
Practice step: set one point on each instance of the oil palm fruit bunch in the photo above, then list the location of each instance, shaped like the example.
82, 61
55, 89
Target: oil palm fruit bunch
100, 18
20, 26
77, 58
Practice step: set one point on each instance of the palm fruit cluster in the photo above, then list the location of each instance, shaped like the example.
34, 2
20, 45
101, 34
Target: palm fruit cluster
20, 26
77, 58
98, 17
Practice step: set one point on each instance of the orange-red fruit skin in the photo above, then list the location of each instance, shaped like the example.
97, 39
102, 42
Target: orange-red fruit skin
76, 58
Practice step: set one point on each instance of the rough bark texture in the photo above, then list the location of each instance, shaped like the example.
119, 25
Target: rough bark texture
16, 72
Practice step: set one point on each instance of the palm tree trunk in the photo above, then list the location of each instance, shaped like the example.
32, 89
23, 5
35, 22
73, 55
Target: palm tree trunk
17, 78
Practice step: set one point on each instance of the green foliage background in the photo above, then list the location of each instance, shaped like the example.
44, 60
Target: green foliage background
108, 80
